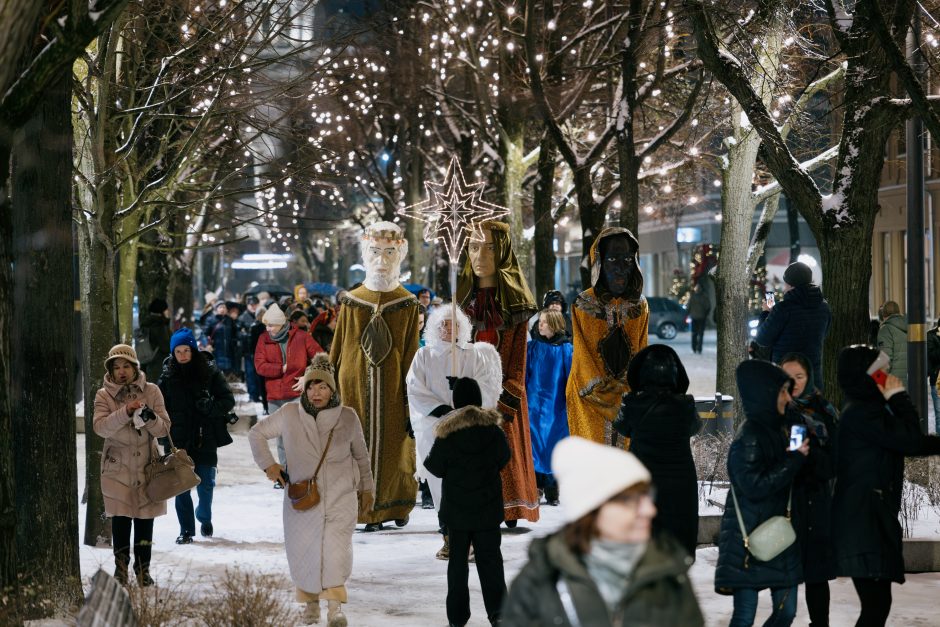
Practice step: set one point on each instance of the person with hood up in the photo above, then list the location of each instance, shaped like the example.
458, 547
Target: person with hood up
610, 323
130, 416
469, 451
604, 567
762, 470
879, 427
799, 323
324, 442
430, 382
281, 356
493, 291
548, 362
813, 501
156, 325
198, 400
554, 300
659, 418
892, 338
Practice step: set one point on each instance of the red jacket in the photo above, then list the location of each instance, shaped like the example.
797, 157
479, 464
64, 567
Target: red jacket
301, 348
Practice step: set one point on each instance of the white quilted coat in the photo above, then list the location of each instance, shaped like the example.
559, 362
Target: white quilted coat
318, 541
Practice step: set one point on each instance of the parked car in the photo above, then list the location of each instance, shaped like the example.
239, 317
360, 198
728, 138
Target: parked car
667, 317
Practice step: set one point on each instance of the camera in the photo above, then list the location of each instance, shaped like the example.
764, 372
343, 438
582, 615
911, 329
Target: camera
146, 414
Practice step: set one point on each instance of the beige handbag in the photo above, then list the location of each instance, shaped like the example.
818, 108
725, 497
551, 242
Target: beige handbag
170, 475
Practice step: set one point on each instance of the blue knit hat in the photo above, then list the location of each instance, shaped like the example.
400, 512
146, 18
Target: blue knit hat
183, 337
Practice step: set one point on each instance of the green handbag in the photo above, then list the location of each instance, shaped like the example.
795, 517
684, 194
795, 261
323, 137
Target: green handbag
770, 538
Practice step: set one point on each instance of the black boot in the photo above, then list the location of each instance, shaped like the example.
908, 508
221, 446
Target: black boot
142, 554
551, 494
121, 561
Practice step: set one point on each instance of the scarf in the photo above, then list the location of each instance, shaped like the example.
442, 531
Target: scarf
281, 338
484, 309
311, 409
610, 565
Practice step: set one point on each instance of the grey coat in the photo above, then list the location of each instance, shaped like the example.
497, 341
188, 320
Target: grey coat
892, 339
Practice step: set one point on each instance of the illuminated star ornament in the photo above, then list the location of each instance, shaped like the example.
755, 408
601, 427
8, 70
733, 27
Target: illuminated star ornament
453, 211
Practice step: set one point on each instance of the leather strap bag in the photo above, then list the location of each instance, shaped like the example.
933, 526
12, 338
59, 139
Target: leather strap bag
770, 538
304, 495
170, 475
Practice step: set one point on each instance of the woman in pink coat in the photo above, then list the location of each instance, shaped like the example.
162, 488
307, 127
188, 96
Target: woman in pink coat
130, 416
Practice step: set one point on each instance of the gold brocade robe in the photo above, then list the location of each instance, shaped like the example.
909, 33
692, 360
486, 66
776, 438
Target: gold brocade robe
594, 392
375, 340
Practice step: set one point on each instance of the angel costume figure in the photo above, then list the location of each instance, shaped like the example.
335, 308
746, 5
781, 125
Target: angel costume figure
375, 340
432, 374
609, 324
493, 292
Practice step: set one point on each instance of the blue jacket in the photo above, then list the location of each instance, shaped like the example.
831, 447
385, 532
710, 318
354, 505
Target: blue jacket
798, 324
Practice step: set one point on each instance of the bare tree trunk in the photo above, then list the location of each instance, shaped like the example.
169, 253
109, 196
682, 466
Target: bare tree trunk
180, 289
43, 407
127, 278
8, 557
544, 239
512, 148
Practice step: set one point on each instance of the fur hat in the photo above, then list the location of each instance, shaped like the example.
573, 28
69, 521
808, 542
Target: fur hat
589, 474
797, 274
122, 351
320, 369
183, 337
274, 317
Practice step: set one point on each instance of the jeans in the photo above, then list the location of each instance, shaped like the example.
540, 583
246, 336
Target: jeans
745, 607
184, 501
489, 560
281, 453
936, 408
698, 334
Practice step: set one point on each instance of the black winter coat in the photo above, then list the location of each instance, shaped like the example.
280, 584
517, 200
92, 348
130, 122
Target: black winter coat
812, 502
797, 324
157, 327
874, 439
469, 451
659, 425
933, 354
198, 408
762, 472
658, 594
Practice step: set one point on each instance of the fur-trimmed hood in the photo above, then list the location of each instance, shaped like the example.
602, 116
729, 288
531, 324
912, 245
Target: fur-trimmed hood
467, 417
432, 329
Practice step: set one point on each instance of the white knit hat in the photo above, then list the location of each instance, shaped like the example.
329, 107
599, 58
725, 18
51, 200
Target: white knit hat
589, 474
274, 316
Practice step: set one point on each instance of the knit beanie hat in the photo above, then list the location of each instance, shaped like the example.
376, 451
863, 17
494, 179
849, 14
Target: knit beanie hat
467, 392
184, 337
158, 305
274, 316
589, 474
122, 351
797, 274
320, 369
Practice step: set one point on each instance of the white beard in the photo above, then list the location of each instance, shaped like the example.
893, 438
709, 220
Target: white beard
380, 283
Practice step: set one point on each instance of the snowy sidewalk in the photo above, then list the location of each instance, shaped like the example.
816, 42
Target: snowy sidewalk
395, 579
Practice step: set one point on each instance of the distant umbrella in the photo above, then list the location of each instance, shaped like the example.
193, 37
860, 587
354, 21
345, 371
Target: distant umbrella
414, 288
273, 289
324, 289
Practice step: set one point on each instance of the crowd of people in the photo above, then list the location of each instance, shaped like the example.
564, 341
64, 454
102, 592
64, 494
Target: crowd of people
500, 407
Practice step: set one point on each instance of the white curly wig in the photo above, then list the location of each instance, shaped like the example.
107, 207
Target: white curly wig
432, 328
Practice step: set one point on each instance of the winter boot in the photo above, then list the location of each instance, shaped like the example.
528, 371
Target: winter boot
334, 614
551, 495
142, 564
312, 613
444, 553
121, 562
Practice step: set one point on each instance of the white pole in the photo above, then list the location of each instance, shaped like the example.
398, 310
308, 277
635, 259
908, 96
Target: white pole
453, 320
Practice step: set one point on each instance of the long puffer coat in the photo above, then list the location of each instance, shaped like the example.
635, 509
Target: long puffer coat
658, 593
198, 402
797, 324
659, 418
269, 362
762, 472
874, 438
318, 541
892, 339
127, 450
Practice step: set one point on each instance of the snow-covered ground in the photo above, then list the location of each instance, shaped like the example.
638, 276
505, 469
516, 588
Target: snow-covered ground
395, 579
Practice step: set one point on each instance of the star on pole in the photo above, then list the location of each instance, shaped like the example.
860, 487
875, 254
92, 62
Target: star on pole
453, 211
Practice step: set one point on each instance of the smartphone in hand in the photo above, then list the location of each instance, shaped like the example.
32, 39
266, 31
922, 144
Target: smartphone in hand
797, 435
877, 369
769, 297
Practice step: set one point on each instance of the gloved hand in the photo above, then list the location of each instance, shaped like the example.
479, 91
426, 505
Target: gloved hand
146, 414
441, 410
204, 404
408, 429
508, 417
366, 502
451, 381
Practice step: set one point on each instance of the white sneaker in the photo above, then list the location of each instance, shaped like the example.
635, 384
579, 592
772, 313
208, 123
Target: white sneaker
312, 613
334, 614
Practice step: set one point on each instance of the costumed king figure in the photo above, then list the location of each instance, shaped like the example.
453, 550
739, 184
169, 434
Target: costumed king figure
374, 342
431, 378
494, 293
609, 324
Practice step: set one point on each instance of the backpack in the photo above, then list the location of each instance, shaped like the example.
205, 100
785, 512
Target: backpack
145, 350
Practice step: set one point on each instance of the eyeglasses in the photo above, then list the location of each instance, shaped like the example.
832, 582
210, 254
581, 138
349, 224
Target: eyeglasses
634, 498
